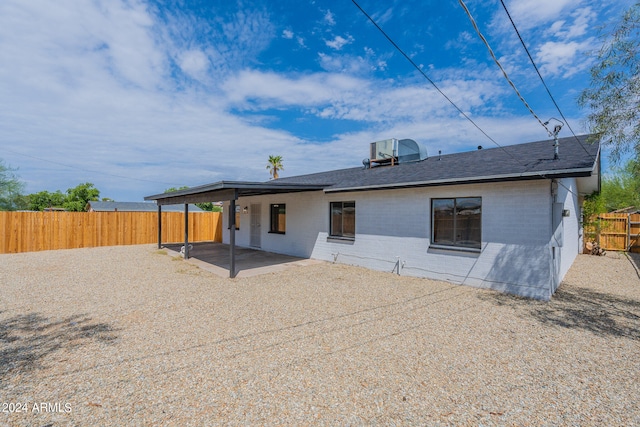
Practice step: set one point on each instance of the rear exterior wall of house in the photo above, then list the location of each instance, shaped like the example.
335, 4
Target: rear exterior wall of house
519, 252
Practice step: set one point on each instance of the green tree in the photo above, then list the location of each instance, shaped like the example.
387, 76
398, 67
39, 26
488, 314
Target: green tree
44, 199
623, 188
22, 201
614, 93
79, 196
593, 205
10, 189
172, 189
209, 206
274, 165
618, 191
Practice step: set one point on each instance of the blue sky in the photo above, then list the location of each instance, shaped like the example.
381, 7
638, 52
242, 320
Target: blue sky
139, 96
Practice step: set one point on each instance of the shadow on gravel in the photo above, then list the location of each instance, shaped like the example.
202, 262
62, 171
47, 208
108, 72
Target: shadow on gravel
634, 259
579, 308
26, 340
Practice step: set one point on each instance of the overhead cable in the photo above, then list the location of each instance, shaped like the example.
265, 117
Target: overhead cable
504, 72
421, 71
541, 79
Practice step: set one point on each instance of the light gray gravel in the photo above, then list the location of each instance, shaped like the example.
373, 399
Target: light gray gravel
128, 336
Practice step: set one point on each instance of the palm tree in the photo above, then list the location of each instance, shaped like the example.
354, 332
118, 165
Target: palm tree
274, 165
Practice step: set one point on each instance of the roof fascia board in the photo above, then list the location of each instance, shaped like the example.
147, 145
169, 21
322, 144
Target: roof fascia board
229, 190
209, 196
489, 178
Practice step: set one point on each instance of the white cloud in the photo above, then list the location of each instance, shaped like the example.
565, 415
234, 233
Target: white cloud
383, 17
329, 18
338, 96
89, 85
532, 13
194, 63
462, 42
287, 34
560, 58
582, 21
106, 87
339, 42
228, 43
251, 88
73, 41
348, 64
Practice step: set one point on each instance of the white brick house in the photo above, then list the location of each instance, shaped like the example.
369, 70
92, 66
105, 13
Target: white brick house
507, 219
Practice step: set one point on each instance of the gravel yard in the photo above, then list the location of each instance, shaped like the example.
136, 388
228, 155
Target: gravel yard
131, 336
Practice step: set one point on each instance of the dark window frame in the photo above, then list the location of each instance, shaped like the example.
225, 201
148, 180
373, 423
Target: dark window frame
457, 236
341, 234
274, 219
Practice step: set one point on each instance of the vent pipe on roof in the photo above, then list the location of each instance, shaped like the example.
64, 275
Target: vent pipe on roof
439, 154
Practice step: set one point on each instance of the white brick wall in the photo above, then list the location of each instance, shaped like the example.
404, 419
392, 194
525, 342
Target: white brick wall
516, 253
567, 194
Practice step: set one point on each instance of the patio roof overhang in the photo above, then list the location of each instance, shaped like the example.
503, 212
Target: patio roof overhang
229, 190
219, 192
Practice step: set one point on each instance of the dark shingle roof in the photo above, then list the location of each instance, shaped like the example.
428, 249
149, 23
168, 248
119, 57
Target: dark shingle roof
514, 162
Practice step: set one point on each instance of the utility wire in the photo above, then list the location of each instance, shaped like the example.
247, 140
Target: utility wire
450, 101
506, 76
541, 79
504, 72
421, 71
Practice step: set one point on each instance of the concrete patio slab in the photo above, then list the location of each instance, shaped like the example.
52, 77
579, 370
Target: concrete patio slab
214, 257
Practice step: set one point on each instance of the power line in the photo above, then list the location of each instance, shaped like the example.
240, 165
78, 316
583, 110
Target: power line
421, 71
512, 84
541, 79
450, 101
504, 72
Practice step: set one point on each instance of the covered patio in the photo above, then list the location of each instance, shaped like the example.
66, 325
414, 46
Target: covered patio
223, 191
215, 258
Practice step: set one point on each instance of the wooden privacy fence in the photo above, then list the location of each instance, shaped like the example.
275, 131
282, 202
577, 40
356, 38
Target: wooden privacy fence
41, 231
615, 231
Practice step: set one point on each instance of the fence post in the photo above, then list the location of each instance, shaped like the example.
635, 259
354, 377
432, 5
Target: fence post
627, 243
159, 226
186, 231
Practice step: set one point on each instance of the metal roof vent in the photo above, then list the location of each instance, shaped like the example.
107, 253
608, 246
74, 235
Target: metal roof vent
393, 151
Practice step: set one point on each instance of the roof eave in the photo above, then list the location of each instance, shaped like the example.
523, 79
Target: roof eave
229, 190
579, 172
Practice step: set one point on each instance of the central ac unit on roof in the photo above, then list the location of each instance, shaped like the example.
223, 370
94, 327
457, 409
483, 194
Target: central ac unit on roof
384, 151
394, 151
